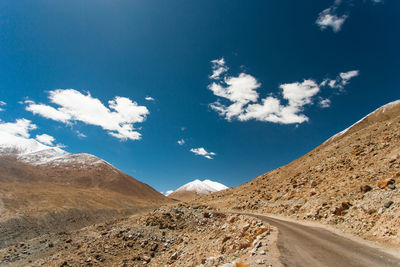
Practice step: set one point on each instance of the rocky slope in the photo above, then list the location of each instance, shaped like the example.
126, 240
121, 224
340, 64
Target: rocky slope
195, 188
168, 236
351, 182
45, 189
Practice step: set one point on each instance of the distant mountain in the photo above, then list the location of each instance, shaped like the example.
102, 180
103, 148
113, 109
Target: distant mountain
44, 188
196, 187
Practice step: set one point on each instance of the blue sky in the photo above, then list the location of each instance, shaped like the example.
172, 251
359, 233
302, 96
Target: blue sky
287, 76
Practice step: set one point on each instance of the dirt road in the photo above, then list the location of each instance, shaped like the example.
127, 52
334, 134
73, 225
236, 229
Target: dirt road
301, 245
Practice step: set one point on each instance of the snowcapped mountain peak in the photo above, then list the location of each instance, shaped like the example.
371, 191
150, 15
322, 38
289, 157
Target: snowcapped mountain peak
28, 150
201, 187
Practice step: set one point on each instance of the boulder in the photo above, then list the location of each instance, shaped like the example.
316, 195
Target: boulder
365, 188
388, 204
386, 182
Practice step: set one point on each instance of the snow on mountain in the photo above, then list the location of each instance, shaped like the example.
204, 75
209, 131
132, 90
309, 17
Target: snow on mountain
380, 109
200, 187
34, 152
28, 150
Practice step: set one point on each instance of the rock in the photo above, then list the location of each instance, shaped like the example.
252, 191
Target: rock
339, 210
260, 261
226, 238
154, 247
258, 245
313, 183
383, 183
388, 204
262, 252
312, 192
206, 215
365, 188
146, 258
391, 186
174, 256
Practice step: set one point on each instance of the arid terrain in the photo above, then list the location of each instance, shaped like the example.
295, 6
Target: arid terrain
175, 236
36, 199
350, 182
88, 213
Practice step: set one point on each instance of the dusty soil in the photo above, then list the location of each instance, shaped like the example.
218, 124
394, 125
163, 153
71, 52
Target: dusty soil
181, 235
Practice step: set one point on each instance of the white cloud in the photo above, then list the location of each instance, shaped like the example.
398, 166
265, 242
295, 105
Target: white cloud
21, 127
45, 139
238, 98
117, 119
341, 80
324, 102
2, 103
181, 142
299, 94
329, 18
346, 76
49, 112
149, 98
202, 152
80, 135
272, 110
240, 90
218, 68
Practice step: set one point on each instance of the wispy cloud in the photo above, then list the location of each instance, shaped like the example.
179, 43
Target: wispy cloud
181, 142
2, 103
45, 139
239, 99
202, 152
149, 98
330, 18
117, 119
218, 68
341, 80
324, 102
80, 135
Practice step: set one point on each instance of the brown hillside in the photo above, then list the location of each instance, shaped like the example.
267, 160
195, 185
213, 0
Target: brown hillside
350, 181
65, 195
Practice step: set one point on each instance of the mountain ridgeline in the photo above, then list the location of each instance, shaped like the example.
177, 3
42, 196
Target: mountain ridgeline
350, 181
45, 189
